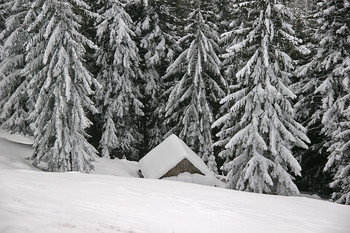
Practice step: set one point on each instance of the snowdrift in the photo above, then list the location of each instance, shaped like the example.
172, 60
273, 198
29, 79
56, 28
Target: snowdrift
16, 138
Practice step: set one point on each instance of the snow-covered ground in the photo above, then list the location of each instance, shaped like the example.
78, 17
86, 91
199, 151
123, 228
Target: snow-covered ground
113, 200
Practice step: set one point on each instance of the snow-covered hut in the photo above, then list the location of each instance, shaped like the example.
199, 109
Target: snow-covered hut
173, 159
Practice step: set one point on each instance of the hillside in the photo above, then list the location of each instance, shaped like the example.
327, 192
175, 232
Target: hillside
36, 201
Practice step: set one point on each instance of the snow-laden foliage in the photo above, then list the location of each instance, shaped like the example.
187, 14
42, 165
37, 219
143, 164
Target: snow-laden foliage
224, 14
324, 90
339, 158
14, 104
330, 75
157, 49
235, 30
307, 108
2, 27
118, 99
189, 109
258, 128
60, 85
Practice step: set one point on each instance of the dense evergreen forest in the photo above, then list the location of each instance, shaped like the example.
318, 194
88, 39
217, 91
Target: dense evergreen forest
258, 89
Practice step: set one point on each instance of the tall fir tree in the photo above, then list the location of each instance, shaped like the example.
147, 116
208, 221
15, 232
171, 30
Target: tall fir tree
234, 26
189, 109
2, 27
225, 13
232, 20
308, 109
157, 48
332, 66
339, 158
60, 85
258, 127
119, 97
14, 104
324, 91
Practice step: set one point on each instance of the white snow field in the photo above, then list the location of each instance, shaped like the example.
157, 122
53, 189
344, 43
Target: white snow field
42, 202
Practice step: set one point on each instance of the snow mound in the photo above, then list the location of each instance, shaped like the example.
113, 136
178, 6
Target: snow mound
116, 167
16, 137
310, 195
196, 179
14, 155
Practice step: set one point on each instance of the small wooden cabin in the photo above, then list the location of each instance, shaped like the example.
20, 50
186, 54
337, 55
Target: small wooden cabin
171, 158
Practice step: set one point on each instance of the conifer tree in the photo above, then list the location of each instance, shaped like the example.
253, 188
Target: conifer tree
60, 85
189, 109
119, 97
234, 26
258, 125
308, 109
157, 48
14, 104
324, 89
2, 28
337, 127
331, 66
225, 13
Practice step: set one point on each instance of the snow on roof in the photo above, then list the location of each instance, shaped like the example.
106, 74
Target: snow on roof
167, 155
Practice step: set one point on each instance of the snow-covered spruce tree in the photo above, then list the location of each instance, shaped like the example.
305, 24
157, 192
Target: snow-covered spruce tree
235, 26
230, 19
157, 48
337, 126
2, 28
189, 109
61, 86
14, 104
309, 110
225, 13
118, 62
258, 128
331, 65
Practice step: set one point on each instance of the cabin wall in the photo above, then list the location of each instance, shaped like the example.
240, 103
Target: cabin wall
184, 166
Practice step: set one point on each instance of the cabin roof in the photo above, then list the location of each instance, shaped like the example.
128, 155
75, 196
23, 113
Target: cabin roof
167, 155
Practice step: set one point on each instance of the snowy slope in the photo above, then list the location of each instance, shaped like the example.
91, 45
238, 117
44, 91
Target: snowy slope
116, 167
15, 137
12, 155
35, 201
21, 149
